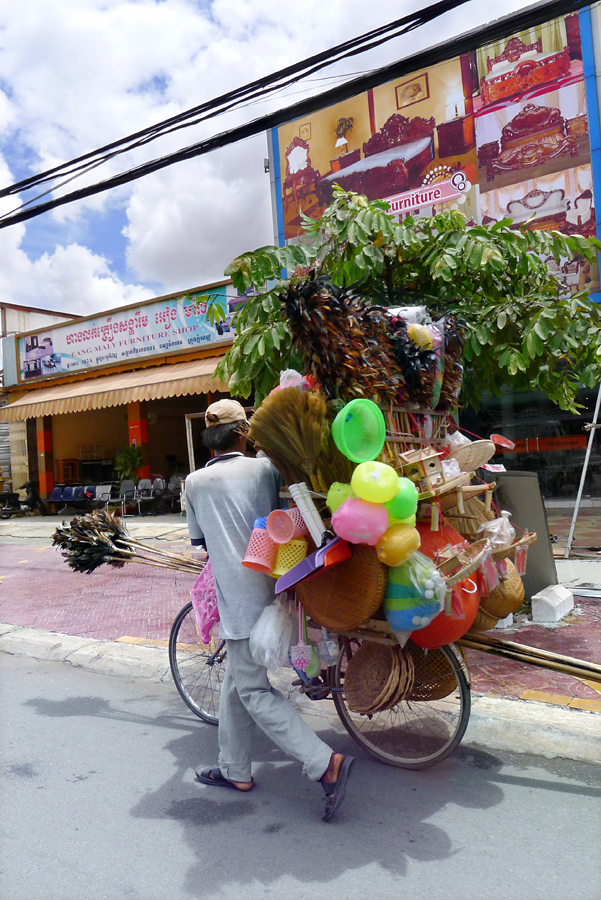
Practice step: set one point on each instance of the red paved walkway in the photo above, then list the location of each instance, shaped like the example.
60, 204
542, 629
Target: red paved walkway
38, 590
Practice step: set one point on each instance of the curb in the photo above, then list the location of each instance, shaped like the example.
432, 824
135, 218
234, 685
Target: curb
518, 726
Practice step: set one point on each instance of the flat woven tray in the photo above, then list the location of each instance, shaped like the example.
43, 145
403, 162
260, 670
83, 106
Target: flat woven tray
349, 594
368, 674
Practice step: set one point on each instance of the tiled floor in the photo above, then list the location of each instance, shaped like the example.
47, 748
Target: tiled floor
38, 590
587, 534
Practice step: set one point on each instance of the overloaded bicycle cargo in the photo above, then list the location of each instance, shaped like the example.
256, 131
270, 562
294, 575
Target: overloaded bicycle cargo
388, 548
391, 539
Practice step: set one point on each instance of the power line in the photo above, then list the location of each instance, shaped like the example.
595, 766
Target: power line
469, 41
261, 88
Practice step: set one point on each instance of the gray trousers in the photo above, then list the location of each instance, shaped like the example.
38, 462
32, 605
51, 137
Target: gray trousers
248, 700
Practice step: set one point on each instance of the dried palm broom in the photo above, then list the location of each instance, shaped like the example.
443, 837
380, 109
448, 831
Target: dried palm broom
100, 538
343, 341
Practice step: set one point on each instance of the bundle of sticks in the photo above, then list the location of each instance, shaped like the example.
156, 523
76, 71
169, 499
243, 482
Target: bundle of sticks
578, 668
100, 538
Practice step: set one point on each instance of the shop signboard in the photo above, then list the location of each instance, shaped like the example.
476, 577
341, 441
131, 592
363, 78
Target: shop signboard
499, 132
159, 328
547, 444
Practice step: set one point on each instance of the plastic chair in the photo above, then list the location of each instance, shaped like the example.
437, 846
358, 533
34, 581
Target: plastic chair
144, 494
174, 489
127, 497
55, 497
79, 501
158, 493
103, 495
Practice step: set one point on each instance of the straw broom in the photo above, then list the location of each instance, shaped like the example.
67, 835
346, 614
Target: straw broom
292, 428
101, 538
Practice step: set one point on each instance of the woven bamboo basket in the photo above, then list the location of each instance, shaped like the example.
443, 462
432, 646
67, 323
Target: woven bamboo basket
348, 595
434, 677
471, 456
484, 621
506, 597
526, 541
405, 680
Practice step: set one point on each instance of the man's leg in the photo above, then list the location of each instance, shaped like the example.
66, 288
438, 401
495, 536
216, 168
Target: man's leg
274, 715
236, 731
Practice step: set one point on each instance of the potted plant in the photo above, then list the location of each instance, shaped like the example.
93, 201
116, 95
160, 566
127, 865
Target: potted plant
128, 460
343, 127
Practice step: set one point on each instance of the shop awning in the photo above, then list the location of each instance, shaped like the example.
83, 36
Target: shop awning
177, 380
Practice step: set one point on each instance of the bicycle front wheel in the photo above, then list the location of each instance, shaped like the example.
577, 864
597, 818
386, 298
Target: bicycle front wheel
421, 730
197, 668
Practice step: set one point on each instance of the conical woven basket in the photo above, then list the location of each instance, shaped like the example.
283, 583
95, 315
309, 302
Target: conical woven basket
348, 595
506, 597
434, 677
471, 456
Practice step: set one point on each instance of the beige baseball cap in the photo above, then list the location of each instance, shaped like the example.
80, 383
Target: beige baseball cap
225, 411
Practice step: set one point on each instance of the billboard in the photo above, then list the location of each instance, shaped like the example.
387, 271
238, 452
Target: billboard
501, 131
158, 328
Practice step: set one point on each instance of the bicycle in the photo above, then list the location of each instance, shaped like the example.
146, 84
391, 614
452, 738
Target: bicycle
417, 733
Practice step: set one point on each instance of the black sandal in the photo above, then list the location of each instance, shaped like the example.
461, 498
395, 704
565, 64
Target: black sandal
335, 790
215, 778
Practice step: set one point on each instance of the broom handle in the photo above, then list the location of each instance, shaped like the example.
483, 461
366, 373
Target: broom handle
184, 562
535, 651
308, 511
131, 556
577, 671
155, 550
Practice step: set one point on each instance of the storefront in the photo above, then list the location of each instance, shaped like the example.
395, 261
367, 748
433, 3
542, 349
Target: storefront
82, 391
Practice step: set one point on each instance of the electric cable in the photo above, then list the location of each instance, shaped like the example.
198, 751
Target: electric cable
230, 100
463, 43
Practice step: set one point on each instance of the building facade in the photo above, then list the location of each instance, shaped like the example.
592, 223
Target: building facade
80, 391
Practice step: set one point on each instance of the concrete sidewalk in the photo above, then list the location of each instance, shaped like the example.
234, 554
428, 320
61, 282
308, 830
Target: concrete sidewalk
514, 725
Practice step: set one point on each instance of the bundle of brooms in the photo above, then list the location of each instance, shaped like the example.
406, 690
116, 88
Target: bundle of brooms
99, 538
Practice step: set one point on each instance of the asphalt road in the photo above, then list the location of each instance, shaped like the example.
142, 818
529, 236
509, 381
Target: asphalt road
99, 802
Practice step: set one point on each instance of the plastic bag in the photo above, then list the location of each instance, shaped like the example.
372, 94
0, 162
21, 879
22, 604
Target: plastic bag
414, 595
500, 532
204, 603
271, 635
455, 441
451, 468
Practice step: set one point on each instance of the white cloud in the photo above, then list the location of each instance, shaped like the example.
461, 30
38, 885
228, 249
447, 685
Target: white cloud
78, 74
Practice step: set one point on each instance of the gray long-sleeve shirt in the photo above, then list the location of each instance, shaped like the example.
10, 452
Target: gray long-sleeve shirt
222, 502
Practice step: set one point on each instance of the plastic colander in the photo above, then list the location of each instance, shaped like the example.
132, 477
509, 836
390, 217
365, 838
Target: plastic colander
359, 430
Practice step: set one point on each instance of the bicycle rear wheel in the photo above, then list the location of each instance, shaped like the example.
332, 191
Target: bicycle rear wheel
197, 668
421, 730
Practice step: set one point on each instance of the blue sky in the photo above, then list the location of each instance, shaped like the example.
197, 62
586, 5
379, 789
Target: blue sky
76, 74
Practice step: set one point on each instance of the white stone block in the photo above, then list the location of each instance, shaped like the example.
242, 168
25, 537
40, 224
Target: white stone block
552, 603
507, 622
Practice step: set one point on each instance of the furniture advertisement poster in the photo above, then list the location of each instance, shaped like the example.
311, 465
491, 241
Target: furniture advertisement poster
499, 132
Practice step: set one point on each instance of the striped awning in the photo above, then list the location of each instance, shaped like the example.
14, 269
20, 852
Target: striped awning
153, 383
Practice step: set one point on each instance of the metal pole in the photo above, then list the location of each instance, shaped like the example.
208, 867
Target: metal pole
591, 429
